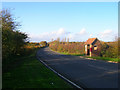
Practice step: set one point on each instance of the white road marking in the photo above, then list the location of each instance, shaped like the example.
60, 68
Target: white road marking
60, 75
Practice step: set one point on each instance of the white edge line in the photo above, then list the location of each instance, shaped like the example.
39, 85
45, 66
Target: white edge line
60, 75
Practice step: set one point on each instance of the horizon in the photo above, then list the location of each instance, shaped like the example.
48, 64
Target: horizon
78, 21
71, 41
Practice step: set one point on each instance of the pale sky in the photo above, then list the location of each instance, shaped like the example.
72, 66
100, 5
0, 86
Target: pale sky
77, 21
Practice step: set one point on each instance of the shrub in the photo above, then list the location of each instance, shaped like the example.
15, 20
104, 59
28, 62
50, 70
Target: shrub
110, 49
67, 47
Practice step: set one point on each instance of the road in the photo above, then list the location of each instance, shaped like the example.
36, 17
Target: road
87, 73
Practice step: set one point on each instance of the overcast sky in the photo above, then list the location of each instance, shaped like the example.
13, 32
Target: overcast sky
77, 21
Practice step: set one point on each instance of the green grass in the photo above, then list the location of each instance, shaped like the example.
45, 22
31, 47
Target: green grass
98, 58
106, 59
28, 72
75, 54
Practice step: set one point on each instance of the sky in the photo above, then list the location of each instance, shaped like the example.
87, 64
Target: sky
78, 21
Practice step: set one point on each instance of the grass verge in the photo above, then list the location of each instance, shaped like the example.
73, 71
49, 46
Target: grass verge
75, 54
28, 72
106, 59
98, 58
66, 53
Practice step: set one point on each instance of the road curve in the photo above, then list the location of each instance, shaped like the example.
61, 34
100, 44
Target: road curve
87, 73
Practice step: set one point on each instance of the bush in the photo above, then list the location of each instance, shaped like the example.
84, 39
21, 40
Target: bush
110, 49
67, 47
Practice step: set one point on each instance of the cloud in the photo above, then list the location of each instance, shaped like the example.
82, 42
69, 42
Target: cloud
83, 31
91, 35
107, 35
48, 36
60, 33
82, 35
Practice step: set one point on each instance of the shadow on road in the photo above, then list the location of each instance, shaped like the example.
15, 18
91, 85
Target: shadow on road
88, 73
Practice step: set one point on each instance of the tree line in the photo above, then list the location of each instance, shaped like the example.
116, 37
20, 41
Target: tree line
109, 49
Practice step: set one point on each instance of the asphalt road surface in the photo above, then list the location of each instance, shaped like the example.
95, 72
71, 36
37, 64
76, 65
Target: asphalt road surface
87, 73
